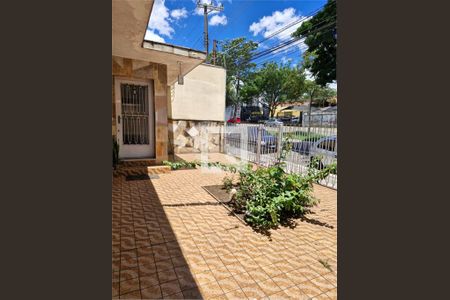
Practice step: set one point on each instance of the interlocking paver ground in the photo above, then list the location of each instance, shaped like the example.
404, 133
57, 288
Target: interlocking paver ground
171, 239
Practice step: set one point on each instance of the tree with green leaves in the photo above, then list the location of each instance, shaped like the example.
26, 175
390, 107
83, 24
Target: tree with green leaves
320, 37
274, 84
325, 95
235, 57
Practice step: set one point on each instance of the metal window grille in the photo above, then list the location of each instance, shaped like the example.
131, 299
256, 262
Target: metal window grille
135, 122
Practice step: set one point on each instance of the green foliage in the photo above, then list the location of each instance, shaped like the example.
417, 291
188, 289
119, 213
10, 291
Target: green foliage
270, 195
275, 84
304, 136
312, 91
325, 95
115, 152
319, 33
235, 57
177, 165
318, 95
227, 183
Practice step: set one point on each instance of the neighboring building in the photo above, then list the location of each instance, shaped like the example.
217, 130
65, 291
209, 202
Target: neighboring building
325, 116
295, 107
197, 111
142, 73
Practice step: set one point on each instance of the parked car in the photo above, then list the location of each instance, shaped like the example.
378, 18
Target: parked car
235, 120
269, 142
325, 150
295, 120
302, 147
273, 122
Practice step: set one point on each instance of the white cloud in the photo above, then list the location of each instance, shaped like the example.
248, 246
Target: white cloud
218, 20
152, 36
268, 25
179, 13
159, 20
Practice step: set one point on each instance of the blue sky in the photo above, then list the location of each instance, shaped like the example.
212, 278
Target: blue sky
179, 22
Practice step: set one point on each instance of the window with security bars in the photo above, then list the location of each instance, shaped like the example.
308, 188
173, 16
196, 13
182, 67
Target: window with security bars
135, 116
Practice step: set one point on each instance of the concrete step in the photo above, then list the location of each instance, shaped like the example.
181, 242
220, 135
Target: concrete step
141, 170
137, 162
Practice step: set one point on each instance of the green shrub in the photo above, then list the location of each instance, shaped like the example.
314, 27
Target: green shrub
269, 195
227, 183
176, 165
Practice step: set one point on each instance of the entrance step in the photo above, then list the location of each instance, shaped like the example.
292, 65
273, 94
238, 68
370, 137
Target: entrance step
138, 162
141, 170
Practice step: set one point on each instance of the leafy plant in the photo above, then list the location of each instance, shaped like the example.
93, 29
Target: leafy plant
235, 57
274, 84
227, 183
320, 37
176, 165
270, 196
115, 153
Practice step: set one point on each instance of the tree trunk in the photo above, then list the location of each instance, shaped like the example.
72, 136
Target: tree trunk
272, 110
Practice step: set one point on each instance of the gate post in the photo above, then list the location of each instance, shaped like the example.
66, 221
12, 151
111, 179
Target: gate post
280, 141
258, 144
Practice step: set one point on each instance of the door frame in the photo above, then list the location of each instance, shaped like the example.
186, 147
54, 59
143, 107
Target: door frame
141, 151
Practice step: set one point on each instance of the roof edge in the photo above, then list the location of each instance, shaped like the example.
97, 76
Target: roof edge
179, 50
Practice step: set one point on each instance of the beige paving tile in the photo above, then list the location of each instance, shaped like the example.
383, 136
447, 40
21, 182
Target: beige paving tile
244, 279
162, 249
211, 290
236, 295
170, 288
269, 287
229, 284
254, 292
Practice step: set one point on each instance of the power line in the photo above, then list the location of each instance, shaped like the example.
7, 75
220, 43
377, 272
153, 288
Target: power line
310, 15
287, 52
284, 51
284, 44
275, 33
301, 32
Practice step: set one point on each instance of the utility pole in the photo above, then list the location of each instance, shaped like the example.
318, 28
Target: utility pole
214, 51
207, 8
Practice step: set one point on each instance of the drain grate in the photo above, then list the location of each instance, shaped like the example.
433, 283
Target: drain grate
141, 177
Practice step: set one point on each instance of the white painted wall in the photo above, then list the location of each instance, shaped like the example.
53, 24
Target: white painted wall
201, 98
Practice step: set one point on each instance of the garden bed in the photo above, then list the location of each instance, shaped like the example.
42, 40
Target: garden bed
222, 196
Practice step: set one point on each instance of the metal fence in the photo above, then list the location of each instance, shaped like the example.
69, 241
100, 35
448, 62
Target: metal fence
319, 119
263, 144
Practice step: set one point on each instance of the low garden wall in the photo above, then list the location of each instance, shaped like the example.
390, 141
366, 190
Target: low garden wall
190, 136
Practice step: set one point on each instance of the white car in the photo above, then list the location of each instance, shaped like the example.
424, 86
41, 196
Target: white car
273, 122
325, 150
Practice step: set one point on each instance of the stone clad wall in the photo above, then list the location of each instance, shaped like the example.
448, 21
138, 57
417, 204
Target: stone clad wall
129, 68
187, 136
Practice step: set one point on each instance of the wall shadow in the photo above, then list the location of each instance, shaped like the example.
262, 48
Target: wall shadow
148, 262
